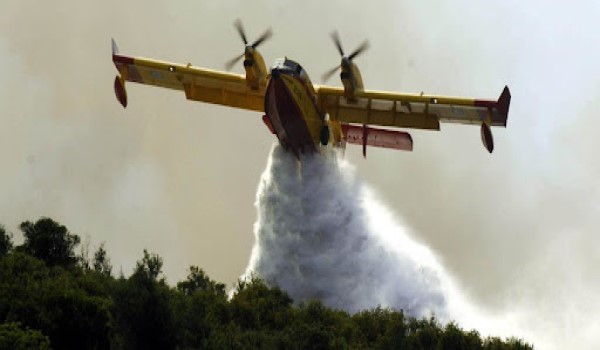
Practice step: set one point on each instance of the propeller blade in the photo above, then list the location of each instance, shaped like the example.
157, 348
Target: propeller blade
233, 62
359, 50
240, 29
266, 35
329, 73
336, 39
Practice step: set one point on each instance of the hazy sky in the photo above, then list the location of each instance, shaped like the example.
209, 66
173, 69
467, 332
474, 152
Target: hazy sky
517, 229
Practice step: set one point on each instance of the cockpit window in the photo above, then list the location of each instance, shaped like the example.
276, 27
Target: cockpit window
288, 65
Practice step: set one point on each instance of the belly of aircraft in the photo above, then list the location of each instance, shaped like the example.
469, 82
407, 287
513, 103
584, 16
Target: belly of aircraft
292, 117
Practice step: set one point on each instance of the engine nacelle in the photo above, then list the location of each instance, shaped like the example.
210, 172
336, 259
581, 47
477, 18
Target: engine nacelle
255, 68
349, 85
120, 91
351, 79
487, 138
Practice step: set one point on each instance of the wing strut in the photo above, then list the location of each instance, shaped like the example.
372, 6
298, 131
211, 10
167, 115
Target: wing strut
364, 139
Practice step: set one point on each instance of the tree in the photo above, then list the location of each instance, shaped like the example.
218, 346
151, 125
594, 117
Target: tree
256, 305
372, 324
200, 309
49, 296
84, 256
495, 343
50, 241
101, 262
150, 266
395, 333
142, 316
62, 303
454, 337
5, 242
12, 336
316, 326
22, 287
197, 280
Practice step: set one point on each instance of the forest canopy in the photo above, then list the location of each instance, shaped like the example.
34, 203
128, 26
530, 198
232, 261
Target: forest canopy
51, 297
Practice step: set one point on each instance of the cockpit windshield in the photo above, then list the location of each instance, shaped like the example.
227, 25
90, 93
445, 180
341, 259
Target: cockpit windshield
285, 65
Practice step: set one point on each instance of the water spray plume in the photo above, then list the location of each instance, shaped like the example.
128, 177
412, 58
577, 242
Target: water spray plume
316, 240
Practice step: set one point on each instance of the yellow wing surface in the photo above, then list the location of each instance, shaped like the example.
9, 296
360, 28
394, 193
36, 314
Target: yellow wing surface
366, 107
411, 110
198, 84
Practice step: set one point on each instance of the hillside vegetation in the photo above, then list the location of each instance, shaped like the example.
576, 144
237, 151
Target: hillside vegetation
52, 297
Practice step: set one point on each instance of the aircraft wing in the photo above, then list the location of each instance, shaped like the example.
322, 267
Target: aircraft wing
411, 110
198, 84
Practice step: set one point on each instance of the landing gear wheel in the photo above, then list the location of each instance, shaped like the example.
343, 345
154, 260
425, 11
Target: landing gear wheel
325, 135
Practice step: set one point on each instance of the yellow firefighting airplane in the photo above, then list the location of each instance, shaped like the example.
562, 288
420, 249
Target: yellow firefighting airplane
303, 115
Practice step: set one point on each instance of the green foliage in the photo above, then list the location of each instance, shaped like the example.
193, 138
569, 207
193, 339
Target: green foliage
495, 343
455, 338
318, 327
56, 301
49, 241
200, 309
149, 267
142, 316
197, 280
5, 242
12, 336
48, 299
256, 306
373, 324
101, 262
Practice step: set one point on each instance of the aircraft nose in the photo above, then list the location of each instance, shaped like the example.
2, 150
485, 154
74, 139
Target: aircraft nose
275, 73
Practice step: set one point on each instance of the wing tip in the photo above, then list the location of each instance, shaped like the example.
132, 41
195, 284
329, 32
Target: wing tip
115, 48
503, 104
118, 58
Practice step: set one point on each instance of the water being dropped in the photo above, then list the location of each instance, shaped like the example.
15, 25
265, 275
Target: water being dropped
317, 237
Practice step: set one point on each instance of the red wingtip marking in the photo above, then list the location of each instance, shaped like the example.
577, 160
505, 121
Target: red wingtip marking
123, 59
484, 103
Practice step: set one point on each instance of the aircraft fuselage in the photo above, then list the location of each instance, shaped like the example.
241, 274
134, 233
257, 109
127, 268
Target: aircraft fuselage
292, 108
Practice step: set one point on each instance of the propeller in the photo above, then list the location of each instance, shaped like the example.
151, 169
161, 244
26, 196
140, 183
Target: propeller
345, 59
249, 48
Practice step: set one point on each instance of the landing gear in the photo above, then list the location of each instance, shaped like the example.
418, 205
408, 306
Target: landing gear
324, 135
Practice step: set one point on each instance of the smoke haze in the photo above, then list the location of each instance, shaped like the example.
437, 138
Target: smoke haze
516, 231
